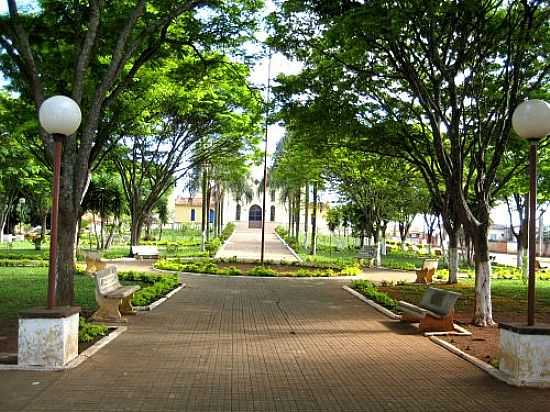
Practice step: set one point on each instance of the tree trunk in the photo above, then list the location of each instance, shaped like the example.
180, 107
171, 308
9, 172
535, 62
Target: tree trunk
377, 245
306, 214
203, 208
314, 222
136, 227
483, 311
298, 210
453, 257
289, 216
66, 240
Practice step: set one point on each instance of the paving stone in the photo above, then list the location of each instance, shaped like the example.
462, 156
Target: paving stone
225, 344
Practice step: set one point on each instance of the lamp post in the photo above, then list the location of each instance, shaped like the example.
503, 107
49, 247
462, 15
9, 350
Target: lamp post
531, 121
60, 116
262, 253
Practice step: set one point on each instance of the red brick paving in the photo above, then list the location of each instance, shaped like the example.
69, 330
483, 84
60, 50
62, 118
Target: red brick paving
238, 344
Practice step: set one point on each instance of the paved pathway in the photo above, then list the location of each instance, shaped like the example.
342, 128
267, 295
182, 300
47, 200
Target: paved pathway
241, 344
246, 244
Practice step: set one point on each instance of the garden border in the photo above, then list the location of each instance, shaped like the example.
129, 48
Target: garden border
222, 247
293, 253
86, 354
484, 366
160, 301
372, 303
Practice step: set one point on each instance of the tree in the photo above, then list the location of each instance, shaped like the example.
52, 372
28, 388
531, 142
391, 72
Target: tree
93, 52
106, 199
457, 71
202, 114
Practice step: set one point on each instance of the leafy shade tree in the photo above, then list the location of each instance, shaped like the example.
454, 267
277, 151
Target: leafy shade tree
297, 170
106, 199
456, 70
21, 175
203, 110
93, 51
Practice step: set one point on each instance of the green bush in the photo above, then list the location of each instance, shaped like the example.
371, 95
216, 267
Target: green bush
350, 271
213, 245
227, 231
154, 288
261, 271
368, 289
88, 332
29, 263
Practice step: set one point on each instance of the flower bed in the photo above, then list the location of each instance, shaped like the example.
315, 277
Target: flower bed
153, 287
271, 270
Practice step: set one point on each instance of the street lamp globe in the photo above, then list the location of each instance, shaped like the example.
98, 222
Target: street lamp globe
531, 119
60, 115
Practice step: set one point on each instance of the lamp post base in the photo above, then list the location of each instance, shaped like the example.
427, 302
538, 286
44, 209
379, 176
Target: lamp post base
525, 354
48, 338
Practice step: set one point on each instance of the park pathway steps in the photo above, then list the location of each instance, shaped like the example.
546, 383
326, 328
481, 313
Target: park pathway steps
250, 344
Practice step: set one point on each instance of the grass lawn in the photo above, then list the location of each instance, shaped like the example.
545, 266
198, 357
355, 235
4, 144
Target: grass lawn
509, 296
24, 288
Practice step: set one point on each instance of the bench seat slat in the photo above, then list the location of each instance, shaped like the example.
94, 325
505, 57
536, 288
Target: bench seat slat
122, 291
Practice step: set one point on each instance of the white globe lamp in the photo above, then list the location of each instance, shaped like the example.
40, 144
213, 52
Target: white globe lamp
531, 119
60, 115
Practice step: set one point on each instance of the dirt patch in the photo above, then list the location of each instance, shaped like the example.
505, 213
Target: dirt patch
484, 343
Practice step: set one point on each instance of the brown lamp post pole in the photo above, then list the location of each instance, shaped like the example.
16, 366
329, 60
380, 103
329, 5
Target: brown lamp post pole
265, 158
531, 121
60, 116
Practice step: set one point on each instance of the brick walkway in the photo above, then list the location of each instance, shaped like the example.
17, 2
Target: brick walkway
238, 344
246, 244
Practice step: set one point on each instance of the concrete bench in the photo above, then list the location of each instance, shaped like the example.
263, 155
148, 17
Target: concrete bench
140, 252
435, 311
367, 253
113, 299
94, 263
426, 273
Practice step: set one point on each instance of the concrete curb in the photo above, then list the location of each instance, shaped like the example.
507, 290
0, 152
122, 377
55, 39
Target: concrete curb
372, 303
88, 353
160, 301
288, 247
222, 247
491, 370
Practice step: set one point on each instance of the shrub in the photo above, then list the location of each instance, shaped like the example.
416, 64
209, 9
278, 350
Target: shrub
88, 332
368, 289
350, 271
23, 263
213, 245
227, 231
261, 271
157, 286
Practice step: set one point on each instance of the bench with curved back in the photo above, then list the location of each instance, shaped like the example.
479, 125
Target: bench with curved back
113, 299
435, 312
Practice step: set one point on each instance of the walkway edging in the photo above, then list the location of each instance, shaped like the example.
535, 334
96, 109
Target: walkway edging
484, 366
88, 353
292, 252
372, 303
222, 247
159, 302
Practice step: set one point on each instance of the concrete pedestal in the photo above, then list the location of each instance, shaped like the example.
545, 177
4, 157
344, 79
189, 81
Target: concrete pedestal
525, 354
48, 337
